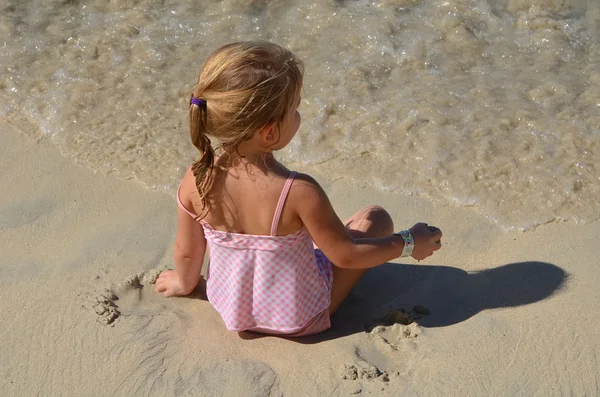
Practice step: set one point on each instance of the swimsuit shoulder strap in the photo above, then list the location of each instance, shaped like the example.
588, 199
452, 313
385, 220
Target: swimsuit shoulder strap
183, 207
282, 198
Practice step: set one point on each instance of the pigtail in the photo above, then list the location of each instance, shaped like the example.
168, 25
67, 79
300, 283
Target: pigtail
202, 167
242, 87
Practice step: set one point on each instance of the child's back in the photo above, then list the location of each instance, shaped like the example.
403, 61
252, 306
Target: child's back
257, 219
242, 200
260, 278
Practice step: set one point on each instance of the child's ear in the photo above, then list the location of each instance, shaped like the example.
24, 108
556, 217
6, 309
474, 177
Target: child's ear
269, 133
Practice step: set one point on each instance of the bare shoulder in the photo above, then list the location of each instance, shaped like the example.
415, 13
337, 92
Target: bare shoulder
304, 185
187, 189
306, 193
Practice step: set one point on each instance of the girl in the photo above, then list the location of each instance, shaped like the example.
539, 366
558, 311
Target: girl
258, 219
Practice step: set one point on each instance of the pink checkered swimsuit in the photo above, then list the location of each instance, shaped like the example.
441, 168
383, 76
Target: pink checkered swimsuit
269, 284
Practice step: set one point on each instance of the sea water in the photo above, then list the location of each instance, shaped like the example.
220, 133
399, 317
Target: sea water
483, 103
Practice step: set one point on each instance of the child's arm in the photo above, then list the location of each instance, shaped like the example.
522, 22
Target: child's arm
330, 235
190, 245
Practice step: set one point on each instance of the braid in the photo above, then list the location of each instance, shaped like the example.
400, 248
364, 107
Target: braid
202, 167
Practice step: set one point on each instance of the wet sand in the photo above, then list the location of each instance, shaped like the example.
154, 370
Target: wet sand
510, 313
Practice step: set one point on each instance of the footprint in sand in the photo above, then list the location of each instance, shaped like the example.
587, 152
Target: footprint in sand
391, 335
397, 327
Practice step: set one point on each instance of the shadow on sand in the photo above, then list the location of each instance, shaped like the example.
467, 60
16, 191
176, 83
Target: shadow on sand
451, 294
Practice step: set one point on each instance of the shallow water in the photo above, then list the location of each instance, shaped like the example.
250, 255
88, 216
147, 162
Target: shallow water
491, 104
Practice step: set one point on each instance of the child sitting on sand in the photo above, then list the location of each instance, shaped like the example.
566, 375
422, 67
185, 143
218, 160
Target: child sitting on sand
281, 261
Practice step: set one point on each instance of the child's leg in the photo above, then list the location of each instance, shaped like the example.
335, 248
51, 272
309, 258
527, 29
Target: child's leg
371, 221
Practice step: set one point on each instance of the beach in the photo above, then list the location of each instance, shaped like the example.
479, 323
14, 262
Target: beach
511, 313
477, 116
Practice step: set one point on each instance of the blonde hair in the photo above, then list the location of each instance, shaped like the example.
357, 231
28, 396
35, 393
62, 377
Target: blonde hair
245, 86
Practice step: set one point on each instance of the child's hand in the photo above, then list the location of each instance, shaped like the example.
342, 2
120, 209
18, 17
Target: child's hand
427, 240
169, 284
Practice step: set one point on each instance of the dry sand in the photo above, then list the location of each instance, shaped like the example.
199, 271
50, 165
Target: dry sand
512, 314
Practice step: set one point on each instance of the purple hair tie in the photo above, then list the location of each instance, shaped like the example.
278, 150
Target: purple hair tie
198, 102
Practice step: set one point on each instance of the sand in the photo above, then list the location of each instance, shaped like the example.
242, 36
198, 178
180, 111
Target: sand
510, 313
